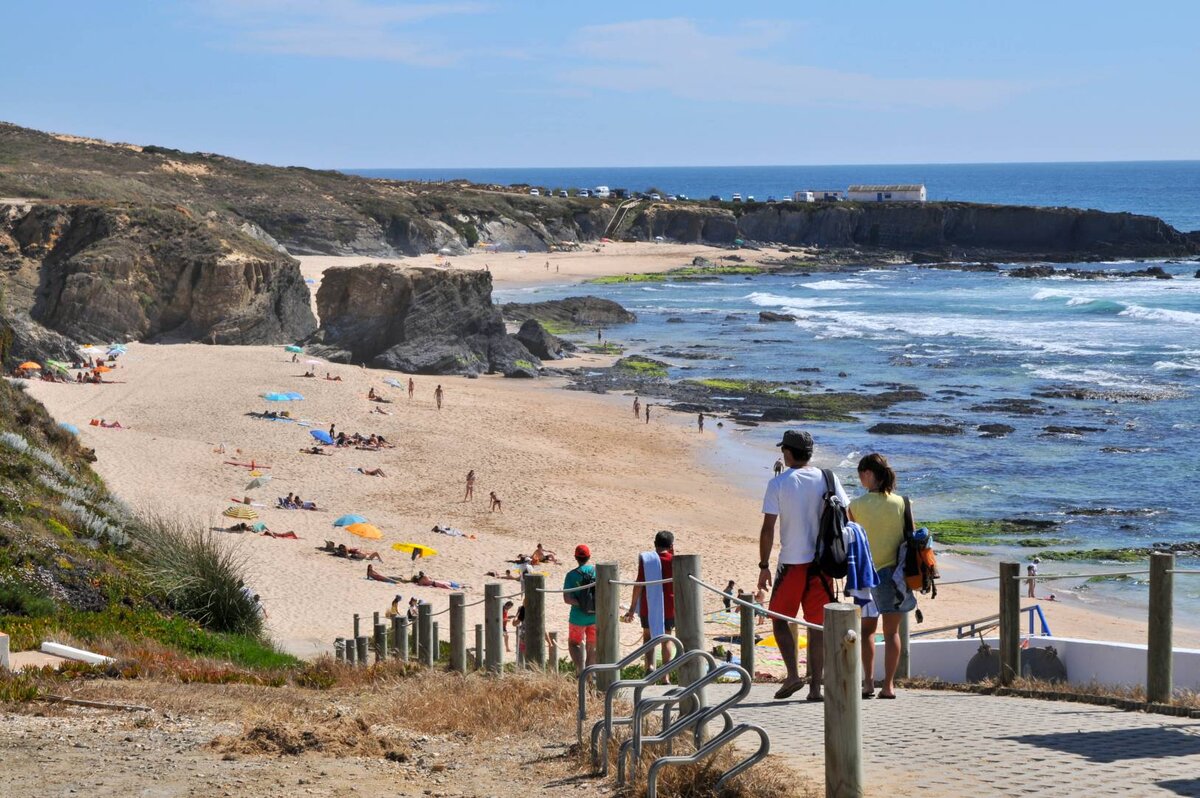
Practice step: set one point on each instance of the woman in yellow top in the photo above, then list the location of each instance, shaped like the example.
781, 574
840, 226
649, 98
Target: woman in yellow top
881, 513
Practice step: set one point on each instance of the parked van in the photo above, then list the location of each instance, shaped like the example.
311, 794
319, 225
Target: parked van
601, 192
736, 197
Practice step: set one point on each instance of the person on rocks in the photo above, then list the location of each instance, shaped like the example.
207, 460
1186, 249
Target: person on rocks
795, 500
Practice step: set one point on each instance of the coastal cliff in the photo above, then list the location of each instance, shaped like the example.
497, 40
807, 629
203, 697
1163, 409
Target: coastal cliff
105, 272
419, 320
937, 230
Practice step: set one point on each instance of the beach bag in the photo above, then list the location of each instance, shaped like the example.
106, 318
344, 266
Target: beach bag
920, 562
833, 537
586, 597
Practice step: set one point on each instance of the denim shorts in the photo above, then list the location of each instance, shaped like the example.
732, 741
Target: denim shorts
888, 598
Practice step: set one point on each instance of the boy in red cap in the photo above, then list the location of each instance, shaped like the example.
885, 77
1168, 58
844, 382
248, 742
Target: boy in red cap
581, 639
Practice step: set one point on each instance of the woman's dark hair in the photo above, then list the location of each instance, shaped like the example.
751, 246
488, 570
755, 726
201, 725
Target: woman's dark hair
877, 464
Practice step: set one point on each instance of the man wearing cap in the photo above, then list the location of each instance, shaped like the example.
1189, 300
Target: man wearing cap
581, 637
796, 498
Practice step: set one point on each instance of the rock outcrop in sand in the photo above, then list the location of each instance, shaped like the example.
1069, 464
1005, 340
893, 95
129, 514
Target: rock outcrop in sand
420, 320
104, 273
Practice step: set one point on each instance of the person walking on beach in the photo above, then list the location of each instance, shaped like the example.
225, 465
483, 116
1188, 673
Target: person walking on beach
412, 386
470, 485
778, 467
655, 603
726, 600
494, 505
884, 515
581, 635
437, 396
795, 499
637, 407
700, 422
1031, 572
647, 412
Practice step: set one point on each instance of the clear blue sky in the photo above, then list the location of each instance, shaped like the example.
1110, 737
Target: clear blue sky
382, 83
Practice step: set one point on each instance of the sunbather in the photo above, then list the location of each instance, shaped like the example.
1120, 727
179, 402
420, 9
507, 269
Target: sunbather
541, 555
508, 574
378, 577
357, 554
445, 584
372, 472
316, 450
289, 535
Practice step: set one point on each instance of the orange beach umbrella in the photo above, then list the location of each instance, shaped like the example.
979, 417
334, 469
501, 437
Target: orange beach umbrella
368, 531
29, 365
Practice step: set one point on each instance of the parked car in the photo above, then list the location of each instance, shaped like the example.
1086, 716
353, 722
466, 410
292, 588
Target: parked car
771, 200
681, 197
656, 196
583, 192
672, 198
533, 192
564, 193
737, 197
715, 198
601, 192
749, 198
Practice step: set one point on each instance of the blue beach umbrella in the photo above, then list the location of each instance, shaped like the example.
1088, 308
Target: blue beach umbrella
294, 397
347, 520
71, 428
292, 348
276, 397
321, 435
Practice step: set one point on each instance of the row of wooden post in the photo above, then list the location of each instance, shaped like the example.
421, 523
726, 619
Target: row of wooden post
1159, 626
843, 664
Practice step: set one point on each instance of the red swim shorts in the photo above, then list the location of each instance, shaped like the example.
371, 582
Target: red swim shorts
577, 634
799, 586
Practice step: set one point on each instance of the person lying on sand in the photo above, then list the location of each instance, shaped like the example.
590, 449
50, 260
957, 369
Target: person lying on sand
240, 526
309, 373
445, 584
380, 411
289, 535
332, 379
111, 425
378, 577
316, 450
372, 472
352, 553
508, 574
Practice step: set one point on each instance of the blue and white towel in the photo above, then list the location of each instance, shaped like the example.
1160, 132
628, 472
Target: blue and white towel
655, 603
861, 576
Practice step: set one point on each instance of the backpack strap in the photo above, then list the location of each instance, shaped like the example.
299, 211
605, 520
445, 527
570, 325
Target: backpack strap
829, 489
909, 524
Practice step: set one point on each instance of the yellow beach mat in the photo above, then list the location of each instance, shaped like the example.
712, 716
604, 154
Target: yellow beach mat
240, 512
368, 531
414, 548
769, 642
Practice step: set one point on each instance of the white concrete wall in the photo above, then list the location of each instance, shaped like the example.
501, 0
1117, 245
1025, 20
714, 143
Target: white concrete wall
1086, 661
896, 196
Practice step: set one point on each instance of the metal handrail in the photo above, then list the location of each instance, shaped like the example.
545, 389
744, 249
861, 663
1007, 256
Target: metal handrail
697, 719
712, 745
955, 627
645, 648
604, 726
757, 608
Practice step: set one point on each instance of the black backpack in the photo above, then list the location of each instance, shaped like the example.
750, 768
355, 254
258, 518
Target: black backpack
833, 538
586, 598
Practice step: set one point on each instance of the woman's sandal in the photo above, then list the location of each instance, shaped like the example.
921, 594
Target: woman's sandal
870, 694
788, 691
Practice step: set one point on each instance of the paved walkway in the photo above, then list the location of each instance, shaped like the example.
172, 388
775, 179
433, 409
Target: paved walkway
954, 744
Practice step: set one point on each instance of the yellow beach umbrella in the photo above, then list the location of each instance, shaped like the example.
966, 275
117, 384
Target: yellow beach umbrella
240, 512
368, 531
29, 365
414, 548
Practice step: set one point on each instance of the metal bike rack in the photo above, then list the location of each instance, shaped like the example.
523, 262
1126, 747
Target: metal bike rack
591, 670
712, 745
603, 728
696, 720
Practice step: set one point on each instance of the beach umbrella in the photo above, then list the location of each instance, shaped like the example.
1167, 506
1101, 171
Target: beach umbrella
312, 362
321, 435
29, 365
347, 520
277, 397
310, 281
414, 548
368, 531
292, 348
58, 365
392, 381
102, 369
71, 428
240, 512
258, 482
294, 397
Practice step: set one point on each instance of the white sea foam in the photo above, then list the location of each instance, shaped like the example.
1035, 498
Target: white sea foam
1177, 365
837, 285
1161, 314
791, 302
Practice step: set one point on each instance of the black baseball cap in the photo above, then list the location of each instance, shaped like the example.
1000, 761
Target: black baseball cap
797, 439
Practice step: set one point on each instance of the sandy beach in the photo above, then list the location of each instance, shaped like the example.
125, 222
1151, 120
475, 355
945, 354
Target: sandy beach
569, 468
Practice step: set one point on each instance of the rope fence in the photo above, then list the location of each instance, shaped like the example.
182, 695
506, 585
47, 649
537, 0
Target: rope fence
759, 609
647, 583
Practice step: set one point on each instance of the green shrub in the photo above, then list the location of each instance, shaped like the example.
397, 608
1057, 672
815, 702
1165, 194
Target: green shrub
20, 600
198, 573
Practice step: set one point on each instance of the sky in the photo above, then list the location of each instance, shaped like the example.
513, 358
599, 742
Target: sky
496, 83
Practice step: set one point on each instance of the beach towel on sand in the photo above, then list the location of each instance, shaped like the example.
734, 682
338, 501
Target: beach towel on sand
655, 606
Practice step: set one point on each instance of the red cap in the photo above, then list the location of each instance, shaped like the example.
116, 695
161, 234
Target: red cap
583, 551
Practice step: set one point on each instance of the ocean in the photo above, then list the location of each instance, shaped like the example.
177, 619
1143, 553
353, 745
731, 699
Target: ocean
1169, 190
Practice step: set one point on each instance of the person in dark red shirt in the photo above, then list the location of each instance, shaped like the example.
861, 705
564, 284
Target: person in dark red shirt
664, 546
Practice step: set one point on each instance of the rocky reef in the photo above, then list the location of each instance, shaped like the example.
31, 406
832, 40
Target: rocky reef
420, 320
113, 272
573, 314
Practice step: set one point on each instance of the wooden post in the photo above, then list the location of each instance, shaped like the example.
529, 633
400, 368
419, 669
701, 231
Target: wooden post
458, 633
552, 656
380, 642
1159, 648
348, 649
339, 650
435, 641
425, 631
608, 621
535, 621
397, 651
374, 619
414, 633
689, 618
843, 702
902, 670
478, 646
747, 634
492, 628
1010, 622
402, 640
357, 631
360, 656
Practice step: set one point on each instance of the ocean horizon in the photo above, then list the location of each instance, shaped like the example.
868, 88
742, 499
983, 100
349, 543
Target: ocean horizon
1169, 190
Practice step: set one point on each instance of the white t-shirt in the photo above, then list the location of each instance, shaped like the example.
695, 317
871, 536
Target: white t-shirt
796, 496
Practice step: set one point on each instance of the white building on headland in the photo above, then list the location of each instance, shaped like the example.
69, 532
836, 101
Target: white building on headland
819, 195
897, 192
